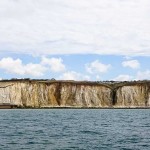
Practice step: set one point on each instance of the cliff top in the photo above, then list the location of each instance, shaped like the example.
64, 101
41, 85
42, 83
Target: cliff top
110, 84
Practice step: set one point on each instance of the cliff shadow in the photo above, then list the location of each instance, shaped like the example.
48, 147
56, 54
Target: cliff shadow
114, 97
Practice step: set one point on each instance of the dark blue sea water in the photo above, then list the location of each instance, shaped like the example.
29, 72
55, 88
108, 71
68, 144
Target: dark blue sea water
66, 129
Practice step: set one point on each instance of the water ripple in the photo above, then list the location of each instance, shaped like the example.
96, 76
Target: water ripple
63, 129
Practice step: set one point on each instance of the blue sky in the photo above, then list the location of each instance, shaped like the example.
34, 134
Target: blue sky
75, 39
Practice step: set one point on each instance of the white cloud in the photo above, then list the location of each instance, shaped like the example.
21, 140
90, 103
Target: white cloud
145, 75
123, 77
98, 77
134, 64
17, 67
97, 67
35, 70
56, 64
118, 27
72, 75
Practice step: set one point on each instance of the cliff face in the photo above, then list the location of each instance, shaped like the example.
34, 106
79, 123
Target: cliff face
135, 95
28, 93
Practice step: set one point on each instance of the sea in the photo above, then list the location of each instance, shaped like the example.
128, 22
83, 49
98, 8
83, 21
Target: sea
75, 129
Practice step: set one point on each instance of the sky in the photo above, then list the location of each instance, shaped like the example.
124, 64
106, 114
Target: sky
75, 39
